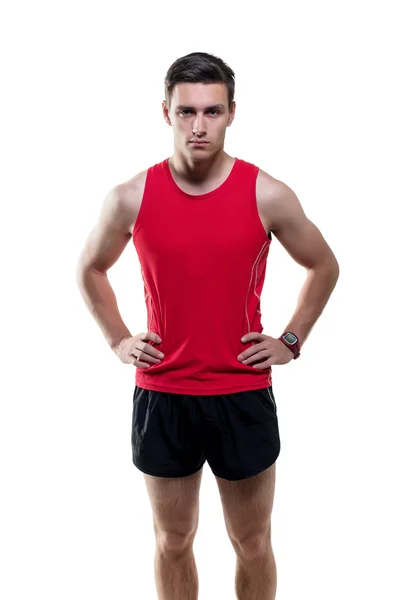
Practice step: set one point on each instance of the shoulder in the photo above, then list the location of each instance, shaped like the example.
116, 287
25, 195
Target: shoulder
131, 191
269, 187
128, 197
276, 200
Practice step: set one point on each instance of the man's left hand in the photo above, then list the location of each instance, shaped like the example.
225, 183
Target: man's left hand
272, 349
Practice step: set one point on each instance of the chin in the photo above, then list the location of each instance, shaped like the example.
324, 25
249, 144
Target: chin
198, 154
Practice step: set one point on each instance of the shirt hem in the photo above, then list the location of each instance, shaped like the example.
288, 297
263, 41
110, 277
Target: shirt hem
202, 392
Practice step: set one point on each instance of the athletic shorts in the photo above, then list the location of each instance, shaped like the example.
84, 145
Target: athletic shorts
174, 434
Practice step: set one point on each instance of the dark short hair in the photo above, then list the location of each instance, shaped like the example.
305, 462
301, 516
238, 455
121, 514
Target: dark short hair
199, 67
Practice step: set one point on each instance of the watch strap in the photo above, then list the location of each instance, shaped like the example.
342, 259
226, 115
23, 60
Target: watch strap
295, 348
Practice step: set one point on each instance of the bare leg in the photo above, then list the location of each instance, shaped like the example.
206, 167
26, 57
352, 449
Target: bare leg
256, 576
175, 503
176, 575
247, 506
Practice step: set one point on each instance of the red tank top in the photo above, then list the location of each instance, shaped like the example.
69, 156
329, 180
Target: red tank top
203, 260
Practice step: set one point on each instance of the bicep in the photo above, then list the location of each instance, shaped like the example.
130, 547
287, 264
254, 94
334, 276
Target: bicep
300, 237
111, 234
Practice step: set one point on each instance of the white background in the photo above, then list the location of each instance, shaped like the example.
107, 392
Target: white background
317, 107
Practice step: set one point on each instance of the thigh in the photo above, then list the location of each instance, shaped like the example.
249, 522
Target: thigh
247, 506
175, 504
240, 433
165, 435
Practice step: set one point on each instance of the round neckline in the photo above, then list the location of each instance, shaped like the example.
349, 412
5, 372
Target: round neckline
217, 190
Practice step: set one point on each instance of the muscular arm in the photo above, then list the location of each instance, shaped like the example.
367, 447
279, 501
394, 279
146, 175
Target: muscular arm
307, 246
102, 249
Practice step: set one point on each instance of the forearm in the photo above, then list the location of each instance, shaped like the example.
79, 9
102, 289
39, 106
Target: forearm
312, 300
100, 299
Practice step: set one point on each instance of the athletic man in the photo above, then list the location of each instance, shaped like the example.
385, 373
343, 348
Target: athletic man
202, 224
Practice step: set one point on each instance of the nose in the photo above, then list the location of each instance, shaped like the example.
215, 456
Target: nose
198, 126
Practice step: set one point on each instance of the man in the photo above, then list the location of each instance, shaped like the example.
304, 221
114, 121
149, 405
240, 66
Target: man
202, 224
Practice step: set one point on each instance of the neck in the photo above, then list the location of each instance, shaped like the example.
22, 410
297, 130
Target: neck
191, 170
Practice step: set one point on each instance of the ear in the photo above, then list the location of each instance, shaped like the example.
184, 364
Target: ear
232, 114
166, 112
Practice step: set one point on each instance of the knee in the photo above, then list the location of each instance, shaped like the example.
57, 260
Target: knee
174, 542
254, 546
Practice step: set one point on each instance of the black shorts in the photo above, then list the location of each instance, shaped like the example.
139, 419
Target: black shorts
174, 434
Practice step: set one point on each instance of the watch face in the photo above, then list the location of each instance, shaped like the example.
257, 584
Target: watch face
290, 338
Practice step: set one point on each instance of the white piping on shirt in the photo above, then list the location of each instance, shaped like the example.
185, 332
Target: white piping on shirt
255, 264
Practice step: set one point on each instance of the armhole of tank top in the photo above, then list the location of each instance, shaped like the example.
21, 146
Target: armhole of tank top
253, 199
140, 211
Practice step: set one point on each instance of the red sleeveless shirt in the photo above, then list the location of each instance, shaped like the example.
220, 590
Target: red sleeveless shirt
203, 260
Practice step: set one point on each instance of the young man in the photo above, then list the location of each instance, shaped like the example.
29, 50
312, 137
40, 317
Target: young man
202, 224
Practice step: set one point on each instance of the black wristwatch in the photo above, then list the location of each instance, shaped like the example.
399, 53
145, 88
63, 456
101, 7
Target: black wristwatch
291, 341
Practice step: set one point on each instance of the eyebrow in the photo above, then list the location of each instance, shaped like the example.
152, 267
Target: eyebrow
183, 107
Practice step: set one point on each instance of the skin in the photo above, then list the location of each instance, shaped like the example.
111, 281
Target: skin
199, 170
175, 502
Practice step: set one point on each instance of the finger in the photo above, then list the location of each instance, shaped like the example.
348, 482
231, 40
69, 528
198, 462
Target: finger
254, 356
250, 336
140, 364
151, 335
264, 365
145, 357
149, 350
153, 351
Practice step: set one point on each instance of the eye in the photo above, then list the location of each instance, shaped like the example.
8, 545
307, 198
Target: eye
188, 110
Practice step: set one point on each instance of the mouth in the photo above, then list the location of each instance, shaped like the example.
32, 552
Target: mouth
195, 143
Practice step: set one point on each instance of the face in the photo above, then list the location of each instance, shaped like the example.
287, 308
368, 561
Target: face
200, 112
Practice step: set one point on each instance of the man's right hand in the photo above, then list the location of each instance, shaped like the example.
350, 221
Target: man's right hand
134, 350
